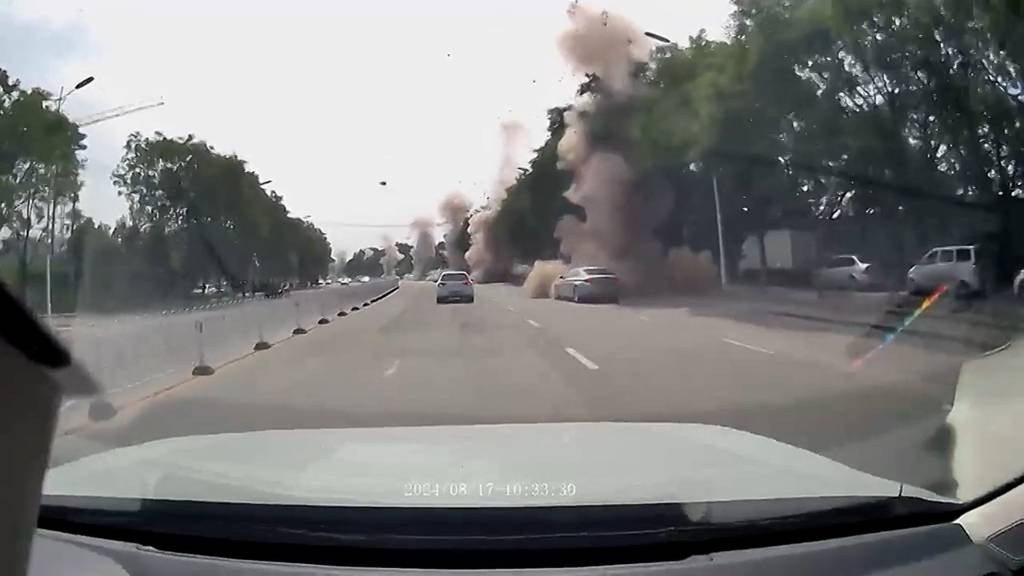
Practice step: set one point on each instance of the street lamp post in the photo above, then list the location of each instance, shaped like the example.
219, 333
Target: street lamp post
721, 237
53, 180
714, 184
53, 197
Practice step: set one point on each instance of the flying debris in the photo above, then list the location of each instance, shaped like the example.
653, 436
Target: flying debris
488, 257
657, 37
454, 209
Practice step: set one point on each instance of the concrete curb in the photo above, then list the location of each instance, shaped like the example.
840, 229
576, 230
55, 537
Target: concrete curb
883, 328
997, 349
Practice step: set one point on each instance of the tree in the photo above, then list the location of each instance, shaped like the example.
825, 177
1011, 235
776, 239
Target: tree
535, 202
205, 216
39, 156
405, 264
882, 125
366, 262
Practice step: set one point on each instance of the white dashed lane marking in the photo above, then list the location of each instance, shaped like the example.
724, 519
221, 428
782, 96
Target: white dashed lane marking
532, 323
747, 346
581, 358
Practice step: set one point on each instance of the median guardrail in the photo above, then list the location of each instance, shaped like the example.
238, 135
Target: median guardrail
138, 354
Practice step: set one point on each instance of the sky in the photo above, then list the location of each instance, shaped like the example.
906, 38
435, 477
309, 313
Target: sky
324, 98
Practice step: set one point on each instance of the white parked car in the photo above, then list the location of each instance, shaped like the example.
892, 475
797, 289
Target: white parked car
454, 286
957, 267
844, 271
589, 283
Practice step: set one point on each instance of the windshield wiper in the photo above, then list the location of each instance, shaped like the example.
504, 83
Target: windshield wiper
481, 537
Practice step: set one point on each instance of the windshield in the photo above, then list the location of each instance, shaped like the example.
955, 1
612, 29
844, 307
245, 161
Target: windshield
181, 181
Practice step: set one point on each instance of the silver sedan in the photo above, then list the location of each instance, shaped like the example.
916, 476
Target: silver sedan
845, 271
587, 284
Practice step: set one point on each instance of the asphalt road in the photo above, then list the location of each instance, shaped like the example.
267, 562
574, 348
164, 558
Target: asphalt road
507, 358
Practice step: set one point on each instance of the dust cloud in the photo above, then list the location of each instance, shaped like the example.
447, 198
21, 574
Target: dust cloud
621, 212
423, 251
689, 272
542, 277
488, 258
390, 259
453, 210
604, 44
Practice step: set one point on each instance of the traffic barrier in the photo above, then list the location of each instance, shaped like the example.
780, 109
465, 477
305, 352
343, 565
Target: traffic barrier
323, 314
133, 353
261, 340
201, 368
299, 330
101, 409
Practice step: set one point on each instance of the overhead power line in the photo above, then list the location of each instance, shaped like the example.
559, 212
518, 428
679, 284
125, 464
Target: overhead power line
369, 225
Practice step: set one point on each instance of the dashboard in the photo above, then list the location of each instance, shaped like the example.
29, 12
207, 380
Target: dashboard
940, 549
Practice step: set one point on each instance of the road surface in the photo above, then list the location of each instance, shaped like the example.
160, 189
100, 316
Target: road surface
506, 358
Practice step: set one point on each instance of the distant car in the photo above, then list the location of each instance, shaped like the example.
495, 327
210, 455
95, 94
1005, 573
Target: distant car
344, 281
957, 267
363, 279
844, 271
329, 281
433, 275
1018, 284
587, 284
454, 287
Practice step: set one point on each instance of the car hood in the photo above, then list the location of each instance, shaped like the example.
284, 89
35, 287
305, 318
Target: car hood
475, 466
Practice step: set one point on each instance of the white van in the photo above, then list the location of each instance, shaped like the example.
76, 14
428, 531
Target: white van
957, 267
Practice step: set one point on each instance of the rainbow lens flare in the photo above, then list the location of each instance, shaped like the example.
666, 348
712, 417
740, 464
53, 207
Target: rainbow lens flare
924, 305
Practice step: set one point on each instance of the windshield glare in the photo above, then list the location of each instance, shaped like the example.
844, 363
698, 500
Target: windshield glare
244, 251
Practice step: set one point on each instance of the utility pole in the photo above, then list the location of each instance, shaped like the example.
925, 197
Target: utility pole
52, 210
88, 121
721, 237
52, 213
